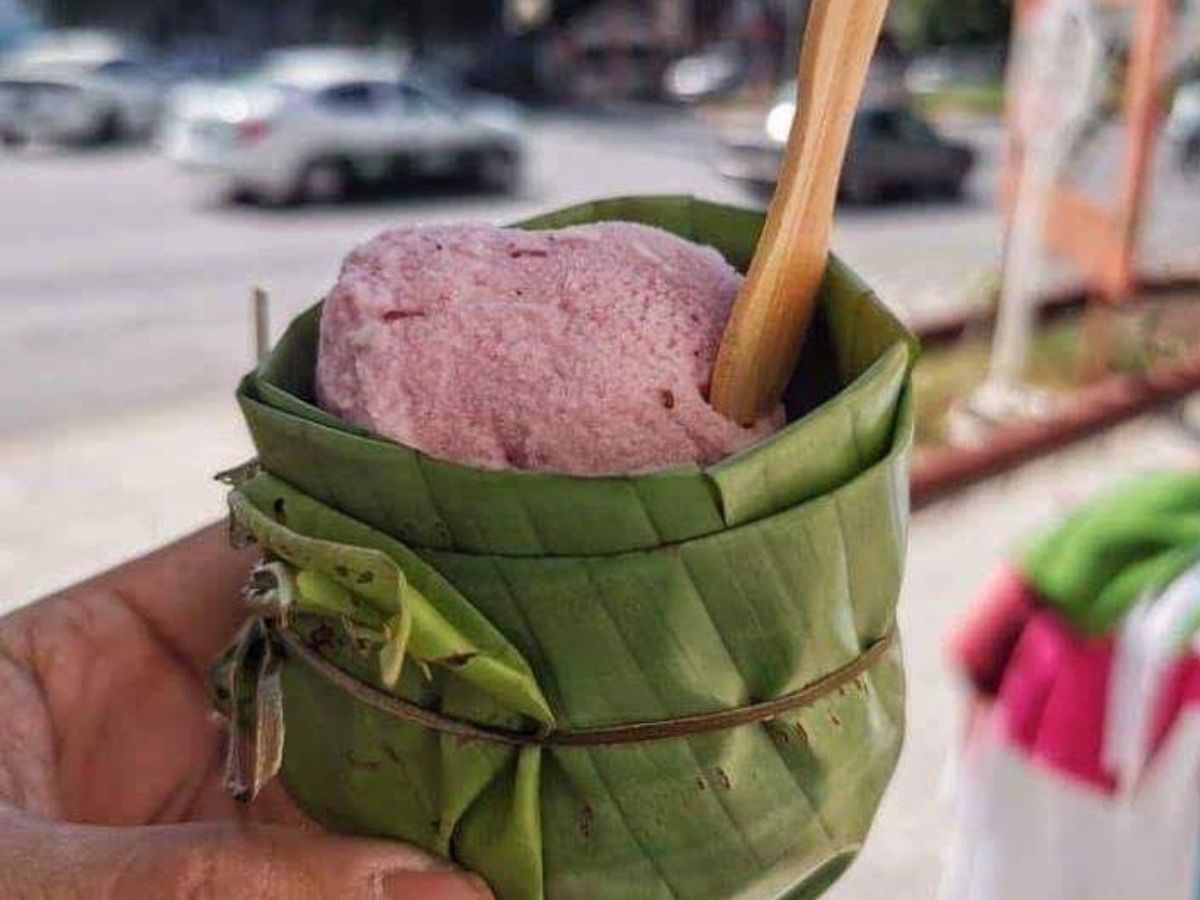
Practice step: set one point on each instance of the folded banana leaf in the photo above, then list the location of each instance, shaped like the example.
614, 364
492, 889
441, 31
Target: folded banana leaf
534, 607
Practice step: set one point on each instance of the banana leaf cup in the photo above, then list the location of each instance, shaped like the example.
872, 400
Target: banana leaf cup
681, 684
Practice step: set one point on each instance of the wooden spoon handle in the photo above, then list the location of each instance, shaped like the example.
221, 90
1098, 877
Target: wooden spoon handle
769, 322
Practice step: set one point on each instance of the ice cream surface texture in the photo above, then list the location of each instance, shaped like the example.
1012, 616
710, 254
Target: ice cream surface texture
584, 351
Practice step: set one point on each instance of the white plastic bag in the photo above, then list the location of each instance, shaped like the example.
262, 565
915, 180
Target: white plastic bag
1028, 830
1025, 831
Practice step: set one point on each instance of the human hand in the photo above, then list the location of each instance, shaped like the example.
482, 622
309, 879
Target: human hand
111, 763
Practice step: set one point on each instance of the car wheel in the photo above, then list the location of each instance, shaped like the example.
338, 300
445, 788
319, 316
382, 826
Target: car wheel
323, 181
499, 170
109, 129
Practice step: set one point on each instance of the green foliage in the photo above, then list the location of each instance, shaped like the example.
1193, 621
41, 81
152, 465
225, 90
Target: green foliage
922, 24
969, 99
1147, 334
266, 23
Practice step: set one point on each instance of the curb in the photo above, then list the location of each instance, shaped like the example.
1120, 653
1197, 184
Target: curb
939, 473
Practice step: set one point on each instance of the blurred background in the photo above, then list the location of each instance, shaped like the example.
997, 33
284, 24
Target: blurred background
160, 159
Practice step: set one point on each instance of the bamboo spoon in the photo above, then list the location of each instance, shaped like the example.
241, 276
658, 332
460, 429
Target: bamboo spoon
769, 322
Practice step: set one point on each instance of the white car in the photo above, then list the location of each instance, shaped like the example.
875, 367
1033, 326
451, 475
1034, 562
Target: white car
313, 129
46, 110
77, 88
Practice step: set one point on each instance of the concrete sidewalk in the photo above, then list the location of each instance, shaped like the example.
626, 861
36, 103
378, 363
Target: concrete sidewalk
78, 504
123, 486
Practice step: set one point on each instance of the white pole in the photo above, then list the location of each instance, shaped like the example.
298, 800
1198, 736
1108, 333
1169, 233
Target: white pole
1060, 82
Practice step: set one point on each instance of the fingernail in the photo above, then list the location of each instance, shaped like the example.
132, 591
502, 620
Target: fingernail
403, 885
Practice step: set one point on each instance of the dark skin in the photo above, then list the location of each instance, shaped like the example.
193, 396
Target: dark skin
110, 760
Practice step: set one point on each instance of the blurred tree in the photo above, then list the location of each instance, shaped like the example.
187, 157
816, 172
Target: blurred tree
923, 24
281, 21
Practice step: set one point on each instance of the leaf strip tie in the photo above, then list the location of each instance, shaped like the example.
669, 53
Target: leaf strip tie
636, 733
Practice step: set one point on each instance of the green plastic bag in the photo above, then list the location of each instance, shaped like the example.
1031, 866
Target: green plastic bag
495, 665
1133, 539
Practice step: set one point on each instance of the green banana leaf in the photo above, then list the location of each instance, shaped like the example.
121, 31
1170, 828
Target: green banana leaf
530, 602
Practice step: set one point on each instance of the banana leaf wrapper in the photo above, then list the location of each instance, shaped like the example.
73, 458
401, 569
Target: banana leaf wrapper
537, 605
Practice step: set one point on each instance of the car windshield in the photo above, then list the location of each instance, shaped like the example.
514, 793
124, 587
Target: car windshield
353, 96
372, 96
125, 68
421, 102
913, 128
896, 124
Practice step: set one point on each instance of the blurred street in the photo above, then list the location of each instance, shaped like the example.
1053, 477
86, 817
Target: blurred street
124, 327
124, 292
124, 305
122, 277
128, 282
1020, 184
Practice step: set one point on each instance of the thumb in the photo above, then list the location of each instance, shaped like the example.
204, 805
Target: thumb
219, 859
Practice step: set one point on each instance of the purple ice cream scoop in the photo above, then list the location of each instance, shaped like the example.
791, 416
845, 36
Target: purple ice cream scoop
585, 351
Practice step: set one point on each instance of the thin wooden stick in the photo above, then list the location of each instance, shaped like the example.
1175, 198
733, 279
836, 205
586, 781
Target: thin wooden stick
770, 319
260, 324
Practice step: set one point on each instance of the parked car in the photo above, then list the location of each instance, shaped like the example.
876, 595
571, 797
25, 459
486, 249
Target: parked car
1183, 126
892, 150
316, 129
78, 87
52, 111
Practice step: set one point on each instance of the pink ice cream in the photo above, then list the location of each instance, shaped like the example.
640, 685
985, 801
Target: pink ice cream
585, 351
